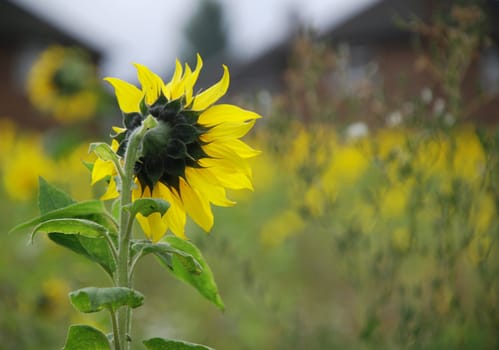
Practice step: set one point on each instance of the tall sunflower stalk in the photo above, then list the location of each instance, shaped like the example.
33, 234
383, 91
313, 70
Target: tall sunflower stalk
174, 157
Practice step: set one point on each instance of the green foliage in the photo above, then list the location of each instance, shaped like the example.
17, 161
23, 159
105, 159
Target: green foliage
165, 252
79, 210
71, 226
83, 337
169, 344
51, 198
96, 249
147, 206
204, 281
92, 299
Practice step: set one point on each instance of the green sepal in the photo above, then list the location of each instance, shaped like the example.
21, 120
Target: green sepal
83, 337
144, 110
204, 282
147, 206
74, 210
93, 299
164, 252
51, 197
171, 344
70, 226
94, 249
103, 151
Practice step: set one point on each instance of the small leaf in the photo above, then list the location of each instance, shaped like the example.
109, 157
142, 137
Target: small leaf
71, 226
94, 249
75, 210
92, 299
164, 252
104, 151
203, 282
170, 344
147, 206
50, 197
83, 337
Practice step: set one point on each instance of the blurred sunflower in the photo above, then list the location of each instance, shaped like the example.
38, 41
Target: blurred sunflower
193, 154
62, 82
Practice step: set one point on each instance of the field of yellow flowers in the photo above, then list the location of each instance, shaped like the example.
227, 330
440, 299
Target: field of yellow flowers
385, 238
357, 236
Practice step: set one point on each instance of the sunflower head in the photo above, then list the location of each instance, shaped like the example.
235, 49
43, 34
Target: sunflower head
62, 82
168, 148
190, 156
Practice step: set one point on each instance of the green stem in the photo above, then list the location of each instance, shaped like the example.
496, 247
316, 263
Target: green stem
116, 339
125, 229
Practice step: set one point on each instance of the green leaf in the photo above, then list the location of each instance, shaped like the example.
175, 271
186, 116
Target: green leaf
92, 299
50, 197
75, 210
164, 252
203, 282
95, 249
170, 344
71, 226
83, 337
103, 151
147, 206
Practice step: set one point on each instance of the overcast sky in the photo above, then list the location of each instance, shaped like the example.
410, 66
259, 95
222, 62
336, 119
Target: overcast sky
150, 31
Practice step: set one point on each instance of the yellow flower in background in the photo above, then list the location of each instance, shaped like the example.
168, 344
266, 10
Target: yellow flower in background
347, 165
469, 156
62, 82
193, 154
25, 163
282, 226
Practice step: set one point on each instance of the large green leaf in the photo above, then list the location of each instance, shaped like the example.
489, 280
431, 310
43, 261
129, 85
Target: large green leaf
95, 249
204, 281
71, 226
170, 344
75, 210
93, 299
51, 198
83, 337
147, 206
164, 252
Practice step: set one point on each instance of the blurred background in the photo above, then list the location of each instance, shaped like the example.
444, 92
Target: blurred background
374, 221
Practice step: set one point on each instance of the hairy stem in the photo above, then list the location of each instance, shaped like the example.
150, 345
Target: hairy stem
125, 229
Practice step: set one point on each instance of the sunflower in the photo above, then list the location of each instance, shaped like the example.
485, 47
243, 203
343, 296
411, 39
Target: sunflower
62, 82
190, 157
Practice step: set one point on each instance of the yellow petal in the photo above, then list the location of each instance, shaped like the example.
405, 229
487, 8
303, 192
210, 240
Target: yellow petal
240, 148
225, 113
223, 153
167, 89
175, 215
208, 186
226, 174
154, 226
102, 169
191, 81
213, 94
128, 95
196, 206
118, 130
111, 192
178, 89
151, 83
225, 131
